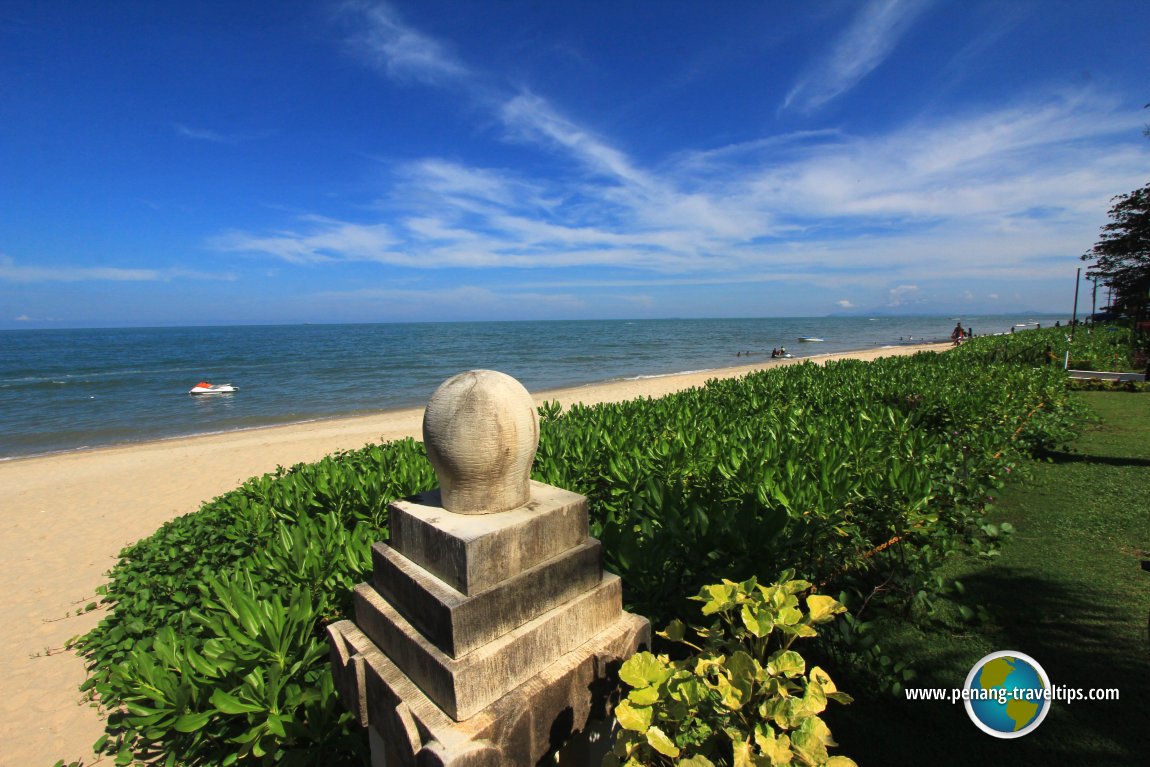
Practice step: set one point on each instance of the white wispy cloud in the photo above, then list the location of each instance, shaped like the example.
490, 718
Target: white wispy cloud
990, 193
324, 240
398, 50
11, 271
1001, 18
865, 44
458, 301
533, 118
902, 295
467, 293
204, 134
37, 319
964, 188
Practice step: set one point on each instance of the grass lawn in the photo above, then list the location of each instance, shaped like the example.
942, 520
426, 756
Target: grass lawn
1068, 590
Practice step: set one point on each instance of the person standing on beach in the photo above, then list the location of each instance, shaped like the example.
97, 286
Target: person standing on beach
957, 334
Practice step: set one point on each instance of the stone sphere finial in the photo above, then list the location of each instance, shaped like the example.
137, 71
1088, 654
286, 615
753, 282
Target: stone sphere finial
481, 432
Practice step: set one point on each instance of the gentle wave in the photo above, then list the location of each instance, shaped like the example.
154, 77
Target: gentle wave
668, 375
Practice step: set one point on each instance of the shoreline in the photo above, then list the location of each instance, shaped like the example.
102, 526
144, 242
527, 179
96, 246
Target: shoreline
725, 371
68, 514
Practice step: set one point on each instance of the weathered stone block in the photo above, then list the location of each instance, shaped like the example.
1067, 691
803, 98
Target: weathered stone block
519, 728
474, 552
347, 646
481, 432
463, 686
458, 624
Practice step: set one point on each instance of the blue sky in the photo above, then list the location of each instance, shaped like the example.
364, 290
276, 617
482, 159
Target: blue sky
169, 163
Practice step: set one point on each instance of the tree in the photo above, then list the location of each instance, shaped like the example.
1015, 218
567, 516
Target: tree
1122, 256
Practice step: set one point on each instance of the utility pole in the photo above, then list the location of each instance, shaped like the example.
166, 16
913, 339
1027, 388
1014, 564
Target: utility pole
1094, 299
1074, 320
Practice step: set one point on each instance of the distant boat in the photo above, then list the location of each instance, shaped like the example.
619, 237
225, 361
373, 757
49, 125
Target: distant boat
203, 387
809, 339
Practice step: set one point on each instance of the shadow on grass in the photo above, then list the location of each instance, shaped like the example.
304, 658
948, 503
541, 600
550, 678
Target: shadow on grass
1070, 632
1056, 456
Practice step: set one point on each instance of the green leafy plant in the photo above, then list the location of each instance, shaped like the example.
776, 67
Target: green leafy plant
862, 477
743, 697
214, 650
815, 467
1091, 347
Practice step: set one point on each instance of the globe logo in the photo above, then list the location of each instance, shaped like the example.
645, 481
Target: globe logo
1007, 694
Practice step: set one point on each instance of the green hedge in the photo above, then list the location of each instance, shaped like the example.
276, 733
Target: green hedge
213, 650
1094, 347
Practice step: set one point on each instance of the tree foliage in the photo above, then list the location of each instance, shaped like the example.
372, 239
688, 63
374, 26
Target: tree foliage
1122, 256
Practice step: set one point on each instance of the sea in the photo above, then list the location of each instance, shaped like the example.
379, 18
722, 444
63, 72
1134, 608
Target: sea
63, 390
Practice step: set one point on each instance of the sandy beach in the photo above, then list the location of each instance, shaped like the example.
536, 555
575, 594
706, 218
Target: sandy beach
64, 518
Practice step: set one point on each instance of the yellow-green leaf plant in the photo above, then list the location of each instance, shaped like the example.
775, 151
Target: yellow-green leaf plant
743, 697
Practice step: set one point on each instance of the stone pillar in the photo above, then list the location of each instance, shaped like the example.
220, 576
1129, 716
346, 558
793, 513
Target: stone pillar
489, 630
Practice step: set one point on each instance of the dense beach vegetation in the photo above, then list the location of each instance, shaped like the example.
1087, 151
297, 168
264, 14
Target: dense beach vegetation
1085, 347
864, 478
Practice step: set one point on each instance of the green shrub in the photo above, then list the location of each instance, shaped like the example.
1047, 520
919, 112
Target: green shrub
743, 697
863, 477
214, 652
1096, 384
1094, 347
806, 466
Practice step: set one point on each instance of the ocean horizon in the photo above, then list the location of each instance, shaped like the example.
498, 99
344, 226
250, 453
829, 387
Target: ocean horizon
64, 390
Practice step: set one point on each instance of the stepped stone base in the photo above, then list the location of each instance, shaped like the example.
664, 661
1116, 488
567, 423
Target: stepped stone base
408, 729
462, 686
457, 623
